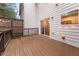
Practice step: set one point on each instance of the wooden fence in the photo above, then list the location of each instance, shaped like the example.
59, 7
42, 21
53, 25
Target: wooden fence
15, 25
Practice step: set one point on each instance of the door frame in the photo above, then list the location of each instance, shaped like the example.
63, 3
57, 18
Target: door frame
44, 27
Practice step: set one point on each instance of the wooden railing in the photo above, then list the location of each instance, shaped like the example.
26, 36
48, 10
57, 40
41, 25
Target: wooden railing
30, 31
1, 42
5, 37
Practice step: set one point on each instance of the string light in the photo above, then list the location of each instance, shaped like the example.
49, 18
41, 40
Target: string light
0, 20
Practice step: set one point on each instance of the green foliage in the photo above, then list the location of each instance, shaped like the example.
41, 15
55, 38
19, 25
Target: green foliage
2, 6
6, 11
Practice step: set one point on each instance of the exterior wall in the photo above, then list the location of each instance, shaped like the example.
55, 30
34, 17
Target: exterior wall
30, 20
29, 15
71, 32
44, 10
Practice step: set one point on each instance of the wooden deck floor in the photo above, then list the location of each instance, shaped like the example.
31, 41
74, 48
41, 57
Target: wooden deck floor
38, 46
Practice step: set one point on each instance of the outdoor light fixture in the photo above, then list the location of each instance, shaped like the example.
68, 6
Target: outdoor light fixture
51, 17
57, 4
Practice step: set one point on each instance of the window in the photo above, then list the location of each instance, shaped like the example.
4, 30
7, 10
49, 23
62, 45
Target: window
70, 18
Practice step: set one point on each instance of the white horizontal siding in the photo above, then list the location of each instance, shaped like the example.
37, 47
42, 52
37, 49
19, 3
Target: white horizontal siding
71, 32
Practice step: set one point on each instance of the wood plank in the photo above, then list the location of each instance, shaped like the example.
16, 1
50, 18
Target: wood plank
38, 45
